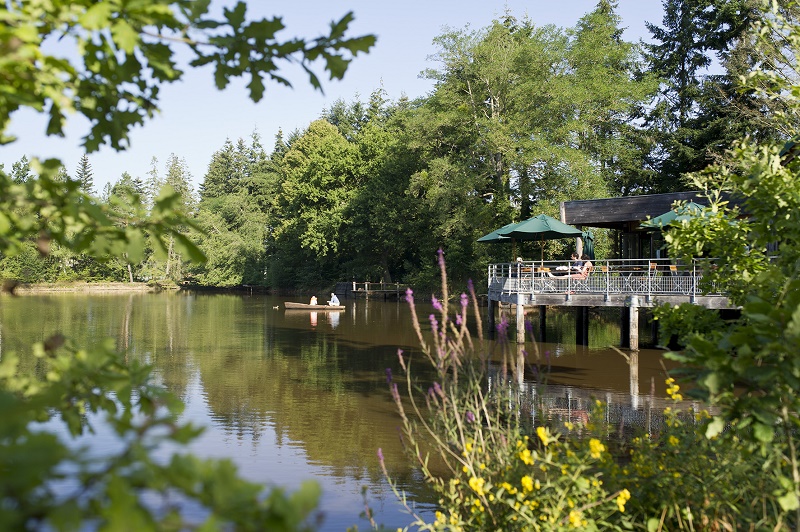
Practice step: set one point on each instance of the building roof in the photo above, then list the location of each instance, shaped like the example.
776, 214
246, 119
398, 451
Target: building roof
625, 212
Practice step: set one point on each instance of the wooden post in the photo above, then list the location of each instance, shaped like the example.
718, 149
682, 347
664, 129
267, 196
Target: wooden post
520, 319
634, 324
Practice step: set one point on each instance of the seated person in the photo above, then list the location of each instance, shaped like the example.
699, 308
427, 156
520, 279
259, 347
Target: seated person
334, 300
577, 263
313, 300
586, 269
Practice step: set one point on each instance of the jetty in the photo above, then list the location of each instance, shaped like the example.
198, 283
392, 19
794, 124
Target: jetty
641, 277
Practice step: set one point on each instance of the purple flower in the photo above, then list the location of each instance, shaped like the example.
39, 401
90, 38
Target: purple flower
464, 300
470, 417
389, 375
436, 304
409, 295
470, 285
438, 389
529, 326
434, 322
502, 328
458, 320
441, 257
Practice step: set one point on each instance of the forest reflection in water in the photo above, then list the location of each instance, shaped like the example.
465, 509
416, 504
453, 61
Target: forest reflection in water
296, 395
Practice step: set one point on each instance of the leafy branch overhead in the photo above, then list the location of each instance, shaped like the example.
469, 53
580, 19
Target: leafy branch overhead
127, 52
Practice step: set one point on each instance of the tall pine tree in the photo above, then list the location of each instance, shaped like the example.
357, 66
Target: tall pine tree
84, 175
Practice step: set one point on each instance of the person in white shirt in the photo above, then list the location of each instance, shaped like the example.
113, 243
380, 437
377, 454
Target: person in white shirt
334, 300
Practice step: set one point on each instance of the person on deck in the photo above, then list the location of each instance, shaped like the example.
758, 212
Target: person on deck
313, 300
586, 268
577, 263
334, 300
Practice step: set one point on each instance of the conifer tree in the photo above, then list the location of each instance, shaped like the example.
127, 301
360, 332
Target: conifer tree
85, 175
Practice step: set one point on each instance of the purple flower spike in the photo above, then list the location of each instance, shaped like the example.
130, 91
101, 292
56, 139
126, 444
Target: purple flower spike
441, 257
389, 375
529, 326
438, 389
409, 295
470, 417
470, 285
436, 304
502, 329
458, 320
434, 322
464, 300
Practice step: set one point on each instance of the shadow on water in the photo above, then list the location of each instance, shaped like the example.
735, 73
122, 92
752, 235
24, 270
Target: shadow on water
294, 395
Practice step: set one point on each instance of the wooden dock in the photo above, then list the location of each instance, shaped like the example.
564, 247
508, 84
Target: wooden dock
369, 290
629, 284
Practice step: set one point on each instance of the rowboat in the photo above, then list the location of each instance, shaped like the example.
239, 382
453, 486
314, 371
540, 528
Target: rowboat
305, 306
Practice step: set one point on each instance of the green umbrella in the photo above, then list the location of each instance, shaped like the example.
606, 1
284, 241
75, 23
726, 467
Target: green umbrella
539, 228
679, 213
588, 244
494, 236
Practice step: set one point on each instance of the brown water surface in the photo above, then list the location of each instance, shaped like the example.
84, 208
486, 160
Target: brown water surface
296, 395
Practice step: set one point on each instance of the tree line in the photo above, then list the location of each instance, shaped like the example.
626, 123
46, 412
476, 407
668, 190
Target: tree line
521, 117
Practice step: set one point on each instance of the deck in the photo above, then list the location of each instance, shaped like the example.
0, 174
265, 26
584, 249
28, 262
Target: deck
613, 283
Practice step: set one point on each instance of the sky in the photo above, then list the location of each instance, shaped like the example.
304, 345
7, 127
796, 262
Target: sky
196, 118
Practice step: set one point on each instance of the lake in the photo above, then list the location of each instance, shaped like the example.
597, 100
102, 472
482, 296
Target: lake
296, 395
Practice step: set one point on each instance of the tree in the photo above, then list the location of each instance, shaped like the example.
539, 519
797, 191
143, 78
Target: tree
21, 171
84, 175
699, 114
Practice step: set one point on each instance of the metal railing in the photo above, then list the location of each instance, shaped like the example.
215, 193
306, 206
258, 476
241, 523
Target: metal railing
611, 276
377, 287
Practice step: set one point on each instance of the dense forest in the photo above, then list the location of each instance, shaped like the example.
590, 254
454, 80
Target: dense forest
521, 117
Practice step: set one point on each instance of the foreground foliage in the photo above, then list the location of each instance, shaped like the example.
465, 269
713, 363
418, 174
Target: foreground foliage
122, 54
501, 460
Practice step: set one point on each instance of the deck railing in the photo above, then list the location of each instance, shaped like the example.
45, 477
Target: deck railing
612, 276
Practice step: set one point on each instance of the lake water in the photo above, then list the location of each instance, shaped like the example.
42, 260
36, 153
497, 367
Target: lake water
295, 395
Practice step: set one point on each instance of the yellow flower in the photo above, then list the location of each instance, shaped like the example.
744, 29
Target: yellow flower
596, 448
673, 441
568, 425
624, 496
575, 518
468, 447
525, 456
477, 485
527, 483
440, 519
543, 435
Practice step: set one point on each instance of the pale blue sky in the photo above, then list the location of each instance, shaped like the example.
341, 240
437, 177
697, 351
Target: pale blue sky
196, 118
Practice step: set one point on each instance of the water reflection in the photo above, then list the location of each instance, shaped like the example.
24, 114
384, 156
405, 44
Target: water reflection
291, 395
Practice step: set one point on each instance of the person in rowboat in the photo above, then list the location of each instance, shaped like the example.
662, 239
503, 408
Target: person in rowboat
334, 300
